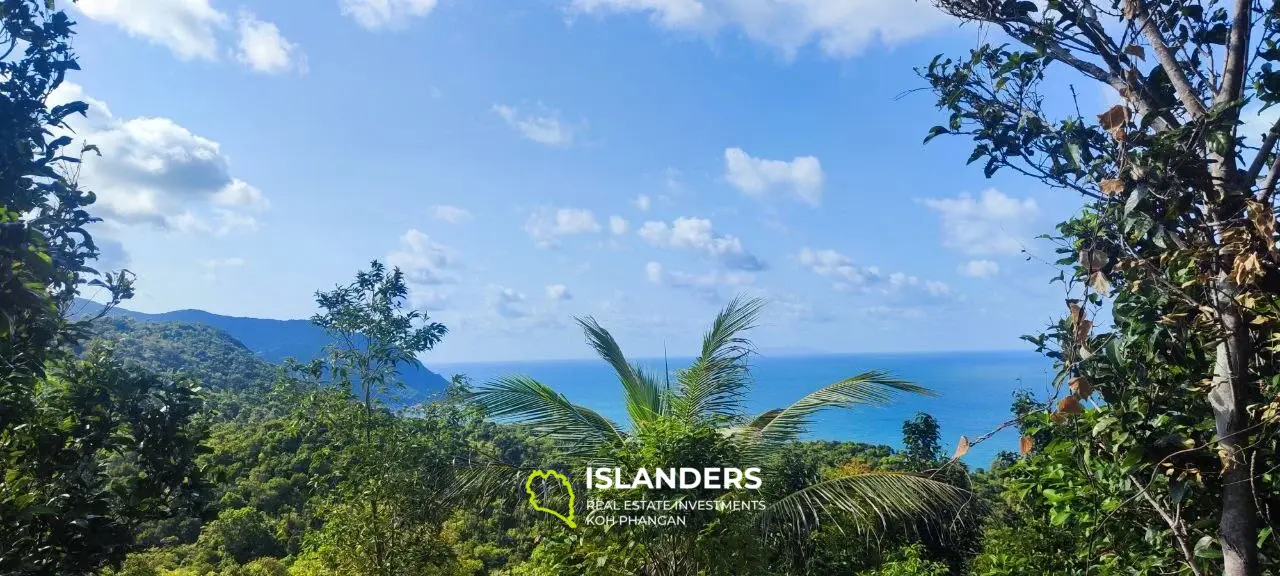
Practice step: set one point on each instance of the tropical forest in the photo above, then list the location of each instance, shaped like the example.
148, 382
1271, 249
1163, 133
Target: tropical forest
192, 444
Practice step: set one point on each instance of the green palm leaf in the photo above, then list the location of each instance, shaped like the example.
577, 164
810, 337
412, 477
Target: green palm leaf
875, 388
874, 503
643, 396
716, 382
578, 430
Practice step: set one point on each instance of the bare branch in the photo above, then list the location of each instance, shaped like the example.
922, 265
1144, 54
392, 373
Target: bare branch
1264, 152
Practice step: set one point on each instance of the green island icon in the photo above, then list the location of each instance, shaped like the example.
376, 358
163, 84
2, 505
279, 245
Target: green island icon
533, 497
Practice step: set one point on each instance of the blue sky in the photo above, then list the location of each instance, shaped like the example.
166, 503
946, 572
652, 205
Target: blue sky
525, 162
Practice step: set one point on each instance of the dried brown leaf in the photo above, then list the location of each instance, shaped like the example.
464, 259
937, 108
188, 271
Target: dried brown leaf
1100, 283
1114, 118
1070, 405
1246, 268
1081, 387
1112, 186
1025, 445
962, 448
1136, 51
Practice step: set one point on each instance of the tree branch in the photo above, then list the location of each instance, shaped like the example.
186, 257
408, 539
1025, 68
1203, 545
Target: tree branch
1177, 526
1264, 151
1186, 94
1234, 70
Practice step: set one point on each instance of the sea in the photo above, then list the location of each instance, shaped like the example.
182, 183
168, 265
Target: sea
974, 391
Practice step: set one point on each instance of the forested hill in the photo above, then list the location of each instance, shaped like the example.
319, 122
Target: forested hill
270, 340
204, 352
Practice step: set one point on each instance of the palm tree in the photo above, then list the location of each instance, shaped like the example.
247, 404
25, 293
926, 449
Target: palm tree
711, 392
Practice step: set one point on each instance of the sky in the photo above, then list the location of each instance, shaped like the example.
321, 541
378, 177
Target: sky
526, 162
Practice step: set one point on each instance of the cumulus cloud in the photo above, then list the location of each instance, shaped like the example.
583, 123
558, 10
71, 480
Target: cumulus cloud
450, 214
262, 48
801, 177
991, 224
840, 28
558, 292
506, 302
186, 27
385, 14
698, 235
642, 203
618, 225
707, 286
980, 268
428, 266
545, 129
155, 171
424, 261
846, 276
191, 30
546, 225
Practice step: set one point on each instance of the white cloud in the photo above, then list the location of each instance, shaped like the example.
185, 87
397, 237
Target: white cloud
450, 214
185, 27
424, 261
699, 235
545, 225
653, 271
707, 286
618, 225
212, 266
991, 224
849, 277
802, 177
642, 203
558, 292
546, 129
840, 28
154, 171
506, 302
980, 268
263, 49
386, 14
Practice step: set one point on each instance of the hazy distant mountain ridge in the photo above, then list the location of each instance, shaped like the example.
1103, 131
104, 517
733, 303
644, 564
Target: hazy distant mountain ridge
270, 340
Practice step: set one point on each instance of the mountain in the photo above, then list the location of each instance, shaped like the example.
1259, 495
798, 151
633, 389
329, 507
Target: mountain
271, 340
202, 352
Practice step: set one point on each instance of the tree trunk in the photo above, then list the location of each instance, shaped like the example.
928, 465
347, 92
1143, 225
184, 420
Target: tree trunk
1238, 526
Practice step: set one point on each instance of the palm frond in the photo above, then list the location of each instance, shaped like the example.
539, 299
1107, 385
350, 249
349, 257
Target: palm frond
874, 503
577, 429
718, 379
643, 396
874, 388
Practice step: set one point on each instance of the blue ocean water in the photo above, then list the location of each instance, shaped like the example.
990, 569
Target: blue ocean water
974, 391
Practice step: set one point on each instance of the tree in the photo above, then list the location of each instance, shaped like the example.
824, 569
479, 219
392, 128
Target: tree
1178, 232
699, 420
920, 438
374, 335
92, 449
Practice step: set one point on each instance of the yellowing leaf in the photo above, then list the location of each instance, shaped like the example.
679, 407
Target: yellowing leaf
1136, 51
962, 448
1246, 268
1112, 186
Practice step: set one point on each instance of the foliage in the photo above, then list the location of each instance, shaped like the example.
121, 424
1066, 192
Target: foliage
1178, 237
700, 422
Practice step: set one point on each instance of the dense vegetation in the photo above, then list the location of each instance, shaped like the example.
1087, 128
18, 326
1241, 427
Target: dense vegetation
152, 449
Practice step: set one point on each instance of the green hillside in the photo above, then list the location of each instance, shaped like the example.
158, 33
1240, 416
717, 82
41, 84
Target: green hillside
207, 354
